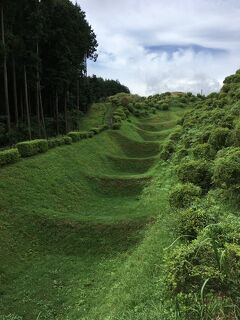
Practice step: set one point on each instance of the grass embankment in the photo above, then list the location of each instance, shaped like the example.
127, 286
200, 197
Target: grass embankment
73, 222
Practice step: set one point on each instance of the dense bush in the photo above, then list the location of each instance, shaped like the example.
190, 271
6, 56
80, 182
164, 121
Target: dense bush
219, 138
116, 126
95, 130
191, 221
168, 149
183, 195
226, 169
30, 148
203, 151
196, 172
9, 156
213, 255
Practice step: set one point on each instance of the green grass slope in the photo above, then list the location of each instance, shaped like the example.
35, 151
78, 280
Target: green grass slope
73, 225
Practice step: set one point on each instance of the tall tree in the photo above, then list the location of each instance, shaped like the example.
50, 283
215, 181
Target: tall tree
5, 71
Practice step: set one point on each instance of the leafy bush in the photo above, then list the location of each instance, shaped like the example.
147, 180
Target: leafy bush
30, 148
196, 172
176, 135
183, 195
78, 135
95, 130
191, 221
226, 169
9, 156
89, 134
168, 149
213, 255
67, 140
219, 138
203, 151
116, 126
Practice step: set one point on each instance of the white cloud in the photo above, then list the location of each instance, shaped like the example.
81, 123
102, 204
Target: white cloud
124, 30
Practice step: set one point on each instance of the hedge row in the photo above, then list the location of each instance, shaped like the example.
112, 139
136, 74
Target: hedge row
81, 135
9, 156
30, 148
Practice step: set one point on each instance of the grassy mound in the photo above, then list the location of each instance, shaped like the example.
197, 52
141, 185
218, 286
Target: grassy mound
71, 219
135, 148
132, 165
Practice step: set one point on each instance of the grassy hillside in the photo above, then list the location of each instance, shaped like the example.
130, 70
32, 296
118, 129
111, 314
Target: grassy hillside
140, 222
71, 218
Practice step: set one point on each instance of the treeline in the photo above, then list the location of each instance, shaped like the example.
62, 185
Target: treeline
44, 86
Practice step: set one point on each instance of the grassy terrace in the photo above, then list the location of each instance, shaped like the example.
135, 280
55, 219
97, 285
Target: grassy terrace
83, 227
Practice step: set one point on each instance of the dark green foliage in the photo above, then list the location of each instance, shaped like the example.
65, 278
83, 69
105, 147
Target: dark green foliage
95, 130
176, 135
116, 126
196, 172
78, 135
180, 154
168, 149
235, 138
59, 141
9, 156
191, 221
67, 140
226, 169
213, 257
203, 151
30, 148
219, 138
183, 195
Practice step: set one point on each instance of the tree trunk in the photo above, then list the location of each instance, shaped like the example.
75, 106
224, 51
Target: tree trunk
37, 98
65, 111
27, 104
5, 74
41, 110
57, 115
78, 95
15, 91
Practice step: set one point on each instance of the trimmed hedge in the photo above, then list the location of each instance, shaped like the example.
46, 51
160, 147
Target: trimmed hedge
30, 148
59, 141
78, 135
9, 156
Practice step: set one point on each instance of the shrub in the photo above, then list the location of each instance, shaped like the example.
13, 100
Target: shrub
204, 151
226, 169
219, 138
77, 135
9, 156
30, 148
213, 255
67, 140
95, 130
176, 135
168, 149
236, 135
116, 126
59, 141
90, 134
196, 172
183, 195
181, 153
191, 221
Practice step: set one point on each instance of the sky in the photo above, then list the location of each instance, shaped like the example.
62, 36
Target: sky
154, 46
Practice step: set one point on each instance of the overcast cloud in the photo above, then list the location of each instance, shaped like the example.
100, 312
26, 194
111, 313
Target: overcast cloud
165, 45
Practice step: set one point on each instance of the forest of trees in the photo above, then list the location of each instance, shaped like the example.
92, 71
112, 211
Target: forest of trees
44, 87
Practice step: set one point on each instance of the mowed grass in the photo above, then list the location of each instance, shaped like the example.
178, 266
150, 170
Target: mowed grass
77, 227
